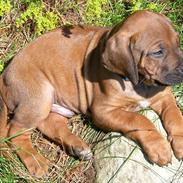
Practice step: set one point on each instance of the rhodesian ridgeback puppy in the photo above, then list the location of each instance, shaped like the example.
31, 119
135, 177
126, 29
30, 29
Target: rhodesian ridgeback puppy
109, 74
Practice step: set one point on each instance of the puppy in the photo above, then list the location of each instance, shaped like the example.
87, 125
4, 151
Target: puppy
107, 73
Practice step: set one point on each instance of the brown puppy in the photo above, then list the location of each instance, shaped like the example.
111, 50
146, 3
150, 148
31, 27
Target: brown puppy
106, 73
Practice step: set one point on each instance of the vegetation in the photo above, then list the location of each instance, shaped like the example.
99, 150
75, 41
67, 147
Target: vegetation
23, 20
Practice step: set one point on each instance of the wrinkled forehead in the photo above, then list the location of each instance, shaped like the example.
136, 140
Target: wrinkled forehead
151, 27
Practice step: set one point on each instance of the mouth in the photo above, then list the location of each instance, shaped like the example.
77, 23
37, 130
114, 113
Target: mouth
154, 83
169, 80
147, 80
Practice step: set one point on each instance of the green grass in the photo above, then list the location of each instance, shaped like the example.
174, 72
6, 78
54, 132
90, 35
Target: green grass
5, 171
23, 20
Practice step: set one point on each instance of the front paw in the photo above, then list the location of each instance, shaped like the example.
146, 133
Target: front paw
177, 145
158, 151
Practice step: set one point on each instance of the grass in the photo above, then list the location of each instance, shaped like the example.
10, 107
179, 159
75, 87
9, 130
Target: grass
62, 166
19, 26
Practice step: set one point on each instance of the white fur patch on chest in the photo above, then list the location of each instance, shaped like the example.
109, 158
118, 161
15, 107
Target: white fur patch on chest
144, 104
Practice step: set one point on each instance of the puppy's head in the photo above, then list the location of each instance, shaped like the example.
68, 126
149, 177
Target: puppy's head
145, 45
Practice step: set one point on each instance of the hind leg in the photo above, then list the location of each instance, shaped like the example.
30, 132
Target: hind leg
35, 163
27, 117
55, 127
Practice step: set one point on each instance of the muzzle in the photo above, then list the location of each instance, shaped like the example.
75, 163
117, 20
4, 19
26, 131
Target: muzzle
173, 77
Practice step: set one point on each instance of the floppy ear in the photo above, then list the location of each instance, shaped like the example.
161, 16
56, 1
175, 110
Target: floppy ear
118, 58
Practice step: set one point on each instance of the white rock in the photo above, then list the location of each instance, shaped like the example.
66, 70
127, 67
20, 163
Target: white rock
111, 155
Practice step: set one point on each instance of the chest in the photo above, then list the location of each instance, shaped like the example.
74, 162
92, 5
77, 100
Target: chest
136, 98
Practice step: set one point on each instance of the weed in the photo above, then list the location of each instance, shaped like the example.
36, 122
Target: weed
145, 4
94, 10
5, 7
37, 14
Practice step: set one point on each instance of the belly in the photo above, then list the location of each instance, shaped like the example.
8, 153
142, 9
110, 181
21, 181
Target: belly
62, 111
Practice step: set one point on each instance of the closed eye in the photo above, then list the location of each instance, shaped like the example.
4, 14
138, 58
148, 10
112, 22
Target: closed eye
157, 54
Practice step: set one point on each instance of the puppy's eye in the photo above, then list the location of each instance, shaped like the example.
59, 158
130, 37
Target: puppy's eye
157, 54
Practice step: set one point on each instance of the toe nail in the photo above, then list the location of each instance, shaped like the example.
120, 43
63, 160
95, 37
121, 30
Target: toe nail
86, 154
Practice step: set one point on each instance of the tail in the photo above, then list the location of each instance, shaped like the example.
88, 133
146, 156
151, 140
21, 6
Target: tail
4, 149
3, 116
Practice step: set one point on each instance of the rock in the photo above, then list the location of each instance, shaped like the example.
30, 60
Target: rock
119, 160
